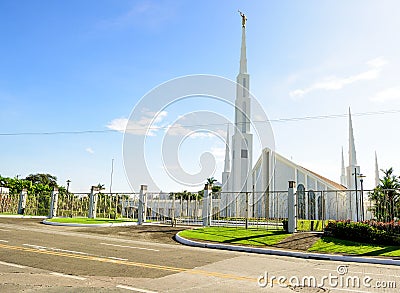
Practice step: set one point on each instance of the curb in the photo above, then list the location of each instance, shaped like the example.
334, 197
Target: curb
22, 217
90, 225
306, 255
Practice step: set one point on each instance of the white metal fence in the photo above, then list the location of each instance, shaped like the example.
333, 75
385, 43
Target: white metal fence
264, 209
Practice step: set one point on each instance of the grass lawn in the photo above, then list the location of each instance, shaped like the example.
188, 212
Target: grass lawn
334, 245
305, 225
89, 221
233, 235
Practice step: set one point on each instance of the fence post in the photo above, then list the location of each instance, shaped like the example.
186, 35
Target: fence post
54, 203
92, 203
22, 202
207, 206
142, 208
173, 210
247, 211
292, 217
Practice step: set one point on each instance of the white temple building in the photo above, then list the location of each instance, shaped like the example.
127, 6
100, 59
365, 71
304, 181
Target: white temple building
267, 181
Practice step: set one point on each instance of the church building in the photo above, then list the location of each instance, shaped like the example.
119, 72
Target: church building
267, 181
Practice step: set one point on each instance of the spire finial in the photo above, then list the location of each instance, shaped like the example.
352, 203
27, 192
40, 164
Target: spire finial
244, 19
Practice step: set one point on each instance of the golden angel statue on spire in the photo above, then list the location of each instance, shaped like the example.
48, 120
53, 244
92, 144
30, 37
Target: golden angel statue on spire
244, 19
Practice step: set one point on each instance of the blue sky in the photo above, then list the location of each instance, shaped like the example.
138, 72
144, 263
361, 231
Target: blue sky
80, 65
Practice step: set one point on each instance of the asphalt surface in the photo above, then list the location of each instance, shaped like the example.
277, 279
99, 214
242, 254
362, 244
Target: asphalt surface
40, 258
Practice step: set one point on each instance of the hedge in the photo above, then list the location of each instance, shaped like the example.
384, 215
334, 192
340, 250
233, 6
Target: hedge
367, 232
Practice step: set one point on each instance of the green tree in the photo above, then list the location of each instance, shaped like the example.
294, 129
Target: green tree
216, 188
45, 179
185, 195
386, 197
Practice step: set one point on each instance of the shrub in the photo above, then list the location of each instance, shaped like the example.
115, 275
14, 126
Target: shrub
368, 232
285, 223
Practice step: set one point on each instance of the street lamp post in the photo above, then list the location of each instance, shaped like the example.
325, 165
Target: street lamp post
361, 176
355, 179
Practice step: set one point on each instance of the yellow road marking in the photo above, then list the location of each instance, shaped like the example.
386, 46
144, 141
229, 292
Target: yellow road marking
130, 263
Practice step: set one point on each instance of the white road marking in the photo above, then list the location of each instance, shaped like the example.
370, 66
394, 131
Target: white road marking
1, 240
35, 246
54, 249
125, 246
69, 251
135, 289
12, 265
117, 258
5, 230
68, 276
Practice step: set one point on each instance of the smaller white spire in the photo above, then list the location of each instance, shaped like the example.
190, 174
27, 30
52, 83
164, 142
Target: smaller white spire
377, 181
343, 174
352, 147
227, 166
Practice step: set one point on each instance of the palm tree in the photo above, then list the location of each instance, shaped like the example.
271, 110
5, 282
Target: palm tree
100, 187
211, 181
386, 197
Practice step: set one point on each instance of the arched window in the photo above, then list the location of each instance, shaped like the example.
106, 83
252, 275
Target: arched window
311, 205
301, 201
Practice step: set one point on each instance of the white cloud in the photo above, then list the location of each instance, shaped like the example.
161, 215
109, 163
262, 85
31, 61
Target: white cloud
337, 83
377, 62
89, 150
202, 134
118, 124
177, 130
143, 14
148, 124
218, 153
387, 95
181, 130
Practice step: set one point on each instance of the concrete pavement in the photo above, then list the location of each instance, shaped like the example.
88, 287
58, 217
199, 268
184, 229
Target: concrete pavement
36, 257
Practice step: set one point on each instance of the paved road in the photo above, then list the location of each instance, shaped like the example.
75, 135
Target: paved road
35, 257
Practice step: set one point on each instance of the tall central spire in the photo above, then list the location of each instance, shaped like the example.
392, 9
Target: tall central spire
242, 139
354, 203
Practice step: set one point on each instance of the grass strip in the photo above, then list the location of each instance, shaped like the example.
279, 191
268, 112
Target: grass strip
334, 245
236, 235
